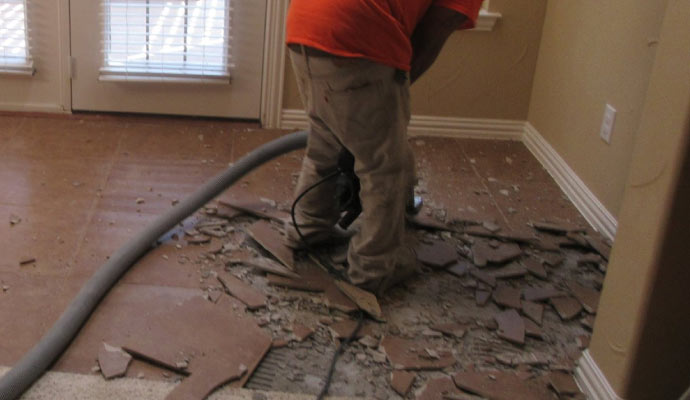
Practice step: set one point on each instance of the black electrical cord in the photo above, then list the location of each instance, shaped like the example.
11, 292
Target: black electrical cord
360, 315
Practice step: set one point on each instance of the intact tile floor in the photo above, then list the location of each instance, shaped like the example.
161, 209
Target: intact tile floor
73, 189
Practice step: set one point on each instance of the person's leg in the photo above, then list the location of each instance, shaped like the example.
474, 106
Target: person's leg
317, 212
367, 107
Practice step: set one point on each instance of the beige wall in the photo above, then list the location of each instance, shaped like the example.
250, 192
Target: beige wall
48, 89
592, 53
478, 74
640, 337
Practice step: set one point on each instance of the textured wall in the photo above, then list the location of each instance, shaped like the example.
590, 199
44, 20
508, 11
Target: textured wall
593, 53
640, 337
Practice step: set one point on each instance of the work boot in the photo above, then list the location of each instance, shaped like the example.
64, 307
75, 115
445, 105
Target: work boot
315, 235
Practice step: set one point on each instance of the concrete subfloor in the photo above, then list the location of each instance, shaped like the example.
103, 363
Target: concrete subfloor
74, 182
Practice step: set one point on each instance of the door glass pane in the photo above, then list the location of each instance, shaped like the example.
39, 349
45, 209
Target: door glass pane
167, 38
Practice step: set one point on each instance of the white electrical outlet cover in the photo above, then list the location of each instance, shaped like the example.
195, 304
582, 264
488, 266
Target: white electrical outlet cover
607, 123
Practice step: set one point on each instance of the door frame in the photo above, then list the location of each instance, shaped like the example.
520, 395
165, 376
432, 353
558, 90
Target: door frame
273, 72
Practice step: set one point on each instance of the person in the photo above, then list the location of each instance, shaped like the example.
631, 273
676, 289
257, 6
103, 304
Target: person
354, 61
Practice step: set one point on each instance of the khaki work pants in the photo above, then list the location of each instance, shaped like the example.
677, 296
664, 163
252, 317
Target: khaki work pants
360, 105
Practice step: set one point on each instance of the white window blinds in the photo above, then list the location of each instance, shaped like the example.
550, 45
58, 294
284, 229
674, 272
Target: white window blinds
15, 55
174, 40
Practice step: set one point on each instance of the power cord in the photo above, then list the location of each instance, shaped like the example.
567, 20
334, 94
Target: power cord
360, 315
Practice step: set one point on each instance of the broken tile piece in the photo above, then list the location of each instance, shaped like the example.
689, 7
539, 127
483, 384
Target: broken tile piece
507, 296
498, 385
243, 292
440, 388
297, 284
401, 382
535, 267
364, 300
413, 355
484, 277
553, 259
558, 228
452, 329
588, 322
533, 311
460, 268
511, 326
437, 255
589, 298
271, 240
301, 332
113, 361
532, 329
566, 307
540, 293
481, 297
512, 270
270, 266
483, 253
423, 221
599, 245
564, 384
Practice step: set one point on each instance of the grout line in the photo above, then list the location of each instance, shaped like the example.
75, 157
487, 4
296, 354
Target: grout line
95, 202
493, 199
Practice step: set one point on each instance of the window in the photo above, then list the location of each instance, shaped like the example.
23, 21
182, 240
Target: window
15, 56
176, 40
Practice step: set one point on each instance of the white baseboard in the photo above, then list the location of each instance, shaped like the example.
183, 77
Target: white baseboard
33, 107
582, 197
576, 190
469, 128
592, 381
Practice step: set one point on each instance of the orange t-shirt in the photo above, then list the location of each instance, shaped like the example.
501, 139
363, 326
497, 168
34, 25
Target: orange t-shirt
378, 30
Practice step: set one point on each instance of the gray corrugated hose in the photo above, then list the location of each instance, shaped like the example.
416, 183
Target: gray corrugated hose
55, 341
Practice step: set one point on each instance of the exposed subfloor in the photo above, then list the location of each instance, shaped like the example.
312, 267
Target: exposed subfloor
74, 189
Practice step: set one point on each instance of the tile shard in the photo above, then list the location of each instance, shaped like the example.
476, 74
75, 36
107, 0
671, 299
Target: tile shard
437, 255
440, 388
483, 253
281, 281
511, 326
484, 277
345, 328
507, 296
533, 311
270, 266
460, 268
535, 267
251, 297
271, 240
481, 297
365, 300
512, 270
413, 355
589, 298
301, 332
452, 329
564, 384
538, 294
498, 385
113, 361
401, 382
566, 307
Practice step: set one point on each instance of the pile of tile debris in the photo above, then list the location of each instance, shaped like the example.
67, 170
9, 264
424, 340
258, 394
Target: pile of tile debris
498, 314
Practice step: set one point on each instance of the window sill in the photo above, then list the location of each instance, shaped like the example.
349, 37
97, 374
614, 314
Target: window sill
486, 21
23, 70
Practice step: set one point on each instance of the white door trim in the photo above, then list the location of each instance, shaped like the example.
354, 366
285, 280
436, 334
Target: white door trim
273, 75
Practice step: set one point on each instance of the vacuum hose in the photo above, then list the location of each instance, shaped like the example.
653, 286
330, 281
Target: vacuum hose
15, 382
